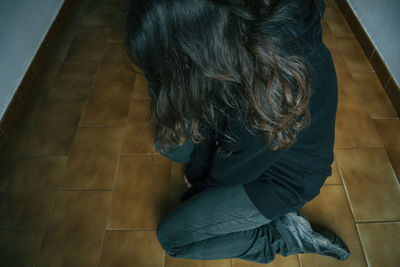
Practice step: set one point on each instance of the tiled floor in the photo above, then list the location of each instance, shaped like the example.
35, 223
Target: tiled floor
80, 184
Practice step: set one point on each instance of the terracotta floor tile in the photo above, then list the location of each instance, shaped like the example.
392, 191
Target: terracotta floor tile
139, 134
32, 109
177, 171
328, 38
140, 92
331, 209
354, 128
345, 80
335, 177
353, 54
93, 159
376, 100
118, 34
140, 196
116, 63
73, 81
132, 248
99, 14
381, 242
174, 198
279, 261
54, 132
52, 63
372, 188
31, 193
88, 44
181, 262
6, 172
336, 21
108, 103
19, 248
10, 156
76, 229
389, 130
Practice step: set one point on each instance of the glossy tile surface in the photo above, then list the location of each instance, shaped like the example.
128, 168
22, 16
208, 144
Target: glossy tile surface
141, 192
76, 229
108, 103
140, 92
345, 80
381, 242
30, 195
353, 54
55, 130
389, 130
116, 63
377, 102
132, 248
73, 81
139, 133
337, 23
354, 127
19, 248
88, 44
373, 189
99, 14
93, 159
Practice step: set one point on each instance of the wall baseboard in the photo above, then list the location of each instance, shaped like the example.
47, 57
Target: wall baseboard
387, 81
16, 104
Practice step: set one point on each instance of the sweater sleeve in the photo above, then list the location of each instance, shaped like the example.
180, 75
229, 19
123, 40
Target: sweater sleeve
201, 158
246, 163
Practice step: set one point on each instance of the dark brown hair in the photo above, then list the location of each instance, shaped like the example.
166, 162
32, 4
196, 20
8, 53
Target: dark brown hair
210, 61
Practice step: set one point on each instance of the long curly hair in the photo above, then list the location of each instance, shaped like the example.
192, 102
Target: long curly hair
208, 62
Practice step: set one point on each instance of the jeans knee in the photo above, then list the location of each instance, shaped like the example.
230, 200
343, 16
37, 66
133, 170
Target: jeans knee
167, 239
163, 233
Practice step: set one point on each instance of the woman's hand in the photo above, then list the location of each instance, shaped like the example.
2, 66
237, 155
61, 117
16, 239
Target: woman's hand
186, 181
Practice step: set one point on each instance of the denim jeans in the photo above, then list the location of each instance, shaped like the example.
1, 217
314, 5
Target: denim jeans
219, 222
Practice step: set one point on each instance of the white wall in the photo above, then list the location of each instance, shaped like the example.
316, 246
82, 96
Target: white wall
381, 21
23, 26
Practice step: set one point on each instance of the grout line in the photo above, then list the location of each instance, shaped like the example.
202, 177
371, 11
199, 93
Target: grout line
149, 154
299, 260
52, 209
21, 230
359, 148
2, 132
351, 209
116, 175
332, 185
82, 190
131, 230
362, 247
384, 118
386, 221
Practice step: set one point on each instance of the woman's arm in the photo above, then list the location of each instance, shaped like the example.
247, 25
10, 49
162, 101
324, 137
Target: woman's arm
201, 158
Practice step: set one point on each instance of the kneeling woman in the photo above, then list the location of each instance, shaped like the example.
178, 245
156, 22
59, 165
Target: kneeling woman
245, 92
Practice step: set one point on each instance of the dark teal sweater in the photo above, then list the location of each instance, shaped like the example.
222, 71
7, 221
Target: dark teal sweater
279, 181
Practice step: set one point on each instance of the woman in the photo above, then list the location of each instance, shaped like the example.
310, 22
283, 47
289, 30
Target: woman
245, 92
